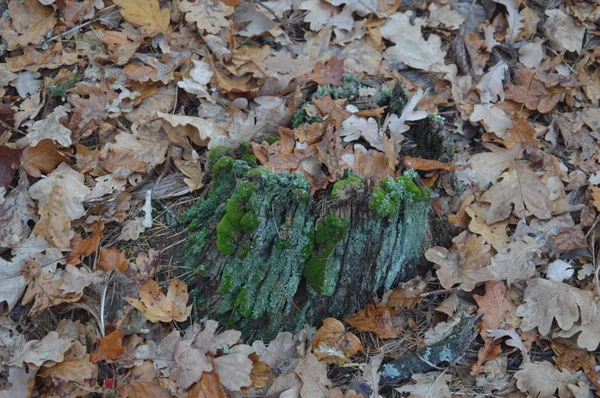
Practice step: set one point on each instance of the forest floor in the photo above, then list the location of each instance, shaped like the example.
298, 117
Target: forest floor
110, 110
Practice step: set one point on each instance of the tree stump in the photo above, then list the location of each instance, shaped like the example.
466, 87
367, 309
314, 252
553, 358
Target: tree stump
269, 257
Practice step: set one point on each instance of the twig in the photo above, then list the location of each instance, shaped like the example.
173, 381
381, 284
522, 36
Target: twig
103, 302
440, 292
76, 28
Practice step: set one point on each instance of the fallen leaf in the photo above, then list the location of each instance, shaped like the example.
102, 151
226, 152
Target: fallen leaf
235, 367
26, 22
209, 386
157, 307
9, 163
328, 73
377, 319
542, 379
494, 119
109, 347
544, 301
48, 351
208, 16
428, 164
407, 294
333, 108
111, 259
517, 260
53, 223
432, 384
411, 48
17, 211
333, 344
521, 188
531, 91
563, 33
465, 264
589, 337
76, 370
41, 158
313, 373
74, 279
81, 246
515, 20
132, 229
147, 15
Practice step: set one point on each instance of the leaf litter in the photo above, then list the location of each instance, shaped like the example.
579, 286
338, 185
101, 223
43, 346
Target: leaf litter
106, 107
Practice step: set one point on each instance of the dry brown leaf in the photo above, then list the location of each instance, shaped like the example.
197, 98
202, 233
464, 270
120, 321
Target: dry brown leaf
313, 373
26, 22
428, 164
377, 319
85, 246
15, 214
49, 128
147, 15
544, 301
522, 188
33, 60
572, 359
54, 224
333, 344
9, 163
208, 16
563, 32
589, 337
44, 289
328, 73
110, 347
494, 234
407, 294
77, 370
535, 93
464, 264
517, 260
209, 386
144, 383
41, 158
157, 307
111, 259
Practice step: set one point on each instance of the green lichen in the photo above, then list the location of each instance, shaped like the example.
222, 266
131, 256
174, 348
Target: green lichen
238, 220
387, 198
318, 272
349, 89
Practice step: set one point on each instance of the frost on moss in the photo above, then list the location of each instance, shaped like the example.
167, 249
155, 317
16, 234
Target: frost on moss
274, 251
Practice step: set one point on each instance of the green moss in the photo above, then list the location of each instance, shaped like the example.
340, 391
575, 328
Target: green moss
271, 140
223, 165
238, 220
347, 187
328, 233
398, 99
387, 198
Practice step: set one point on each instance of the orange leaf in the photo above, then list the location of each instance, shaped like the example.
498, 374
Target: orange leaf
377, 112
330, 73
335, 342
111, 259
427, 164
111, 347
85, 246
375, 319
333, 108
209, 386
596, 196
160, 308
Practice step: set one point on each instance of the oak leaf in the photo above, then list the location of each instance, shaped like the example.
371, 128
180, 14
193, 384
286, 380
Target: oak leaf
544, 301
517, 260
333, 344
534, 93
328, 73
209, 386
333, 109
41, 158
81, 246
515, 20
465, 264
44, 288
542, 379
16, 212
147, 15
432, 384
110, 347
144, 383
313, 373
26, 22
520, 192
54, 223
589, 334
208, 16
157, 307
77, 370
48, 351
235, 367
563, 32
494, 119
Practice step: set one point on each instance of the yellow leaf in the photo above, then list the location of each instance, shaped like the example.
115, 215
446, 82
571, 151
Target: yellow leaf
146, 15
157, 307
54, 223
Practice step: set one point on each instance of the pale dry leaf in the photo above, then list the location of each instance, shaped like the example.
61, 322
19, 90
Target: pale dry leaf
48, 351
444, 16
235, 367
542, 379
190, 363
589, 337
204, 129
146, 15
139, 152
198, 80
516, 261
53, 223
488, 166
440, 331
72, 370
520, 192
513, 341
313, 374
106, 185
320, 14
465, 264
515, 20
411, 48
208, 16
27, 83
24, 22
493, 119
157, 307
16, 212
279, 350
49, 127
432, 384
132, 229
562, 31
491, 84
559, 270
494, 234
544, 301
74, 279
532, 54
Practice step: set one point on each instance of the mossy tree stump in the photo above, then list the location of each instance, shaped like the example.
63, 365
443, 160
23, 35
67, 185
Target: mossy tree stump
270, 257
